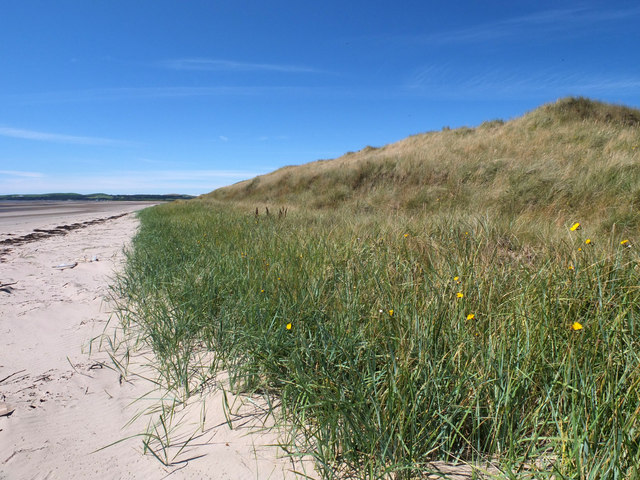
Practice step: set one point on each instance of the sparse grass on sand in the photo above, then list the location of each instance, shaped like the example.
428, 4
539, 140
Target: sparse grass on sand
488, 327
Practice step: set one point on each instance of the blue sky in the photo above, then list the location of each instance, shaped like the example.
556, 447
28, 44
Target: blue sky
157, 96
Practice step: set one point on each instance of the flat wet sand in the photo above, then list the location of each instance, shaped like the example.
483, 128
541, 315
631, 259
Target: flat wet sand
22, 217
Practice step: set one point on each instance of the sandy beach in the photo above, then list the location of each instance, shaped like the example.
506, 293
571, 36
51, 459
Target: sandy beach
61, 399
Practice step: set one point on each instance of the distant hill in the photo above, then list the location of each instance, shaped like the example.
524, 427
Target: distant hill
97, 197
574, 158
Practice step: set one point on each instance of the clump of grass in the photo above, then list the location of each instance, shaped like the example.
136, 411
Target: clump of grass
395, 340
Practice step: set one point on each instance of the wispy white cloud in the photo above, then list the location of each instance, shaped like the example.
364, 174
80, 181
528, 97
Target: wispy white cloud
155, 93
266, 138
162, 181
211, 64
199, 174
564, 21
448, 82
57, 138
16, 173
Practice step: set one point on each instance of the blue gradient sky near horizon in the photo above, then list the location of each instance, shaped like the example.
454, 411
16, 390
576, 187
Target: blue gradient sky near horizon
184, 97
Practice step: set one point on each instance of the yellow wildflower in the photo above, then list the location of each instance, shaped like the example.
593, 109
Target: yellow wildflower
406, 235
471, 316
624, 242
459, 294
587, 241
575, 227
391, 313
455, 279
289, 326
576, 326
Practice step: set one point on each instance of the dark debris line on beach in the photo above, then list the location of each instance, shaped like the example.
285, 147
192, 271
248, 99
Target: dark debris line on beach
39, 234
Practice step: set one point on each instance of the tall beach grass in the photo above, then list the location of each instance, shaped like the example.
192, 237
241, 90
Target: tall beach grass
391, 342
469, 295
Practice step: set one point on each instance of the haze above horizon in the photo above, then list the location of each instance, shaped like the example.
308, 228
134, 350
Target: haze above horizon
186, 97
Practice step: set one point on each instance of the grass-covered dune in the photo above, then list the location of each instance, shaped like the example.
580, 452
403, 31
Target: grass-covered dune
568, 159
466, 296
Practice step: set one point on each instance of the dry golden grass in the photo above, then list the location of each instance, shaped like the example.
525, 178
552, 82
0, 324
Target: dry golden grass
575, 158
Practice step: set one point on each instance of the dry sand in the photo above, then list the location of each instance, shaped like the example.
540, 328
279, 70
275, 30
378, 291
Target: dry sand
67, 400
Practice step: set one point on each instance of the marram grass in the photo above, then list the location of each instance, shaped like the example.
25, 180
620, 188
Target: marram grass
574, 158
393, 341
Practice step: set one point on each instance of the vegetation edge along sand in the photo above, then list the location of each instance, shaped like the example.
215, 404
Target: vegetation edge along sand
464, 296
